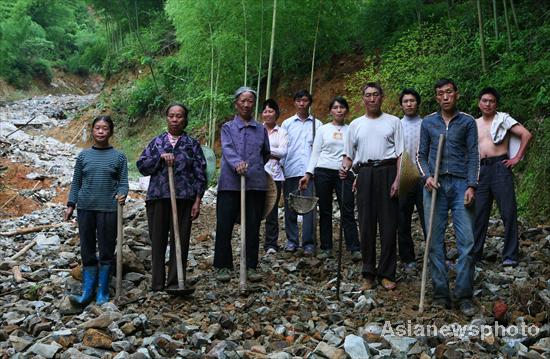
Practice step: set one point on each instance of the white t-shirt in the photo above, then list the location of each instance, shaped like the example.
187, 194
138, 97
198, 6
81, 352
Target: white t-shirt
328, 147
380, 138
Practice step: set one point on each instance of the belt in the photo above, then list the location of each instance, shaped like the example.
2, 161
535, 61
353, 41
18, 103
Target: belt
375, 163
491, 160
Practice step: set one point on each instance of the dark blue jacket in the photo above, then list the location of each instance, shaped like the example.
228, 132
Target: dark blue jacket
460, 155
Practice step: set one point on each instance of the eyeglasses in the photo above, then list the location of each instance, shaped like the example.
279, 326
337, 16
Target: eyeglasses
373, 94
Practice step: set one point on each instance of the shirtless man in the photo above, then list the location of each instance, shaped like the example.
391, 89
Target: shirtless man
496, 179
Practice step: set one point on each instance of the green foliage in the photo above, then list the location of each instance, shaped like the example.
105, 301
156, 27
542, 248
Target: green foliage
38, 34
429, 50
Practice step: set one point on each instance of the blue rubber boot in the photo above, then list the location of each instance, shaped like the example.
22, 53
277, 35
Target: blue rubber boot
103, 284
89, 280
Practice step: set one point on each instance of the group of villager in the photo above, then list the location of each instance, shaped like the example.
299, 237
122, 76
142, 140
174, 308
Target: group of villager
360, 163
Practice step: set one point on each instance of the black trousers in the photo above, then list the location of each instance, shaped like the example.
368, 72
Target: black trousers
375, 207
97, 228
272, 222
228, 208
496, 182
159, 219
326, 183
407, 202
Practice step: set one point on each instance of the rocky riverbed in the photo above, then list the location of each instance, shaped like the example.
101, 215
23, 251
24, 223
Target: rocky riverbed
292, 312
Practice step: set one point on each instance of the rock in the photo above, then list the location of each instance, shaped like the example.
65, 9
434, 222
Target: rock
101, 322
67, 308
499, 309
199, 339
542, 345
355, 347
131, 262
332, 339
400, 344
122, 345
43, 242
329, 351
279, 355
73, 353
453, 354
45, 350
20, 343
188, 354
128, 328
371, 332
122, 355
97, 339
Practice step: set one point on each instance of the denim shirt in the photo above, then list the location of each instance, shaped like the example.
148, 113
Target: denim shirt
189, 167
460, 155
243, 142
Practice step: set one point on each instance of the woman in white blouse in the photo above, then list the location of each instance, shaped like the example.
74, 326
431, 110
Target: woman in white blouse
325, 161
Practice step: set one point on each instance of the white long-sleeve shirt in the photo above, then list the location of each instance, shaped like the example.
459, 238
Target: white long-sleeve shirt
328, 147
278, 141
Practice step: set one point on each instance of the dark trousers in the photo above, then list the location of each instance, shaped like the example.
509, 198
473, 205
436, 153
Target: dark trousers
97, 227
159, 219
291, 217
407, 202
496, 182
326, 182
272, 222
376, 207
228, 208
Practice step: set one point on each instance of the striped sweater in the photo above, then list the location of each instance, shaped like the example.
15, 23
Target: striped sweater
99, 175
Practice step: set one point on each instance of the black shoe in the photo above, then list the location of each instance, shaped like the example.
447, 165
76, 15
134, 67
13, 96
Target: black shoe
441, 303
467, 307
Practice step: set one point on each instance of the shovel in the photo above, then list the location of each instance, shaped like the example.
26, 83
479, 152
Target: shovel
181, 290
430, 226
119, 241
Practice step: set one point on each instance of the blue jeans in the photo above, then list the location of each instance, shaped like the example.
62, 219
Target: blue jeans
450, 196
291, 217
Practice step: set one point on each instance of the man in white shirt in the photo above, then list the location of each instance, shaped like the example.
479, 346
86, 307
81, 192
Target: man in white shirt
495, 178
278, 144
374, 146
299, 129
410, 123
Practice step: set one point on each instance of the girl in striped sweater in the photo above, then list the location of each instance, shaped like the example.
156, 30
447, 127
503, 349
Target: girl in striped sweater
100, 180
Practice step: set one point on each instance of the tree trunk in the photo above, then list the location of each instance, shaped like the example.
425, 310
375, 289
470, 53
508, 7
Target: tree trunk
314, 48
245, 46
514, 14
271, 47
260, 62
481, 37
507, 25
495, 17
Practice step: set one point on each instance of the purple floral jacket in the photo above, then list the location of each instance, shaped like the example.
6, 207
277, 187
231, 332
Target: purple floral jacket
189, 168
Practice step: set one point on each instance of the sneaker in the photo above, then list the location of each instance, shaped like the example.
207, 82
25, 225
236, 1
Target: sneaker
290, 248
467, 307
309, 250
253, 275
509, 263
326, 253
388, 284
410, 267
356, 256
270, 251
223, 275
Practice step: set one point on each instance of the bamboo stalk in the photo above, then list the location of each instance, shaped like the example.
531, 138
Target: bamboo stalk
481, 36
260, 62
495, 17
210, 112
314, 48
271, 47
245, 45
507, 25
513, 8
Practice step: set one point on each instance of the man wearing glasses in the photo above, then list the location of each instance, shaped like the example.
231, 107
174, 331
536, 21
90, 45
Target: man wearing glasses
373, 147
458, 179
496, 179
